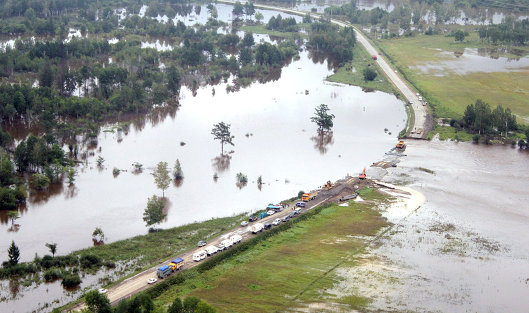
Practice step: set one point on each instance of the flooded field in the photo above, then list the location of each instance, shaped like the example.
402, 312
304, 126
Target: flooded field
471, 61
272, 128
467, 248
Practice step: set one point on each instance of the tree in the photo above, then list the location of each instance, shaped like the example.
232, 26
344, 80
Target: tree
7, 171
13, 253
52, 247
176, 306
369, 74
177, 170
190, 303
46, 76
98, 235
13, 215
459, 35
322, 118
161, 177
221, 131
259, 17
97, 302
173, 79
100, 161
153, 213
238, 9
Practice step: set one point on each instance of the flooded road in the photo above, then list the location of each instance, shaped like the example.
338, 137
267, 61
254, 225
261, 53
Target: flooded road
276, 117
467, 248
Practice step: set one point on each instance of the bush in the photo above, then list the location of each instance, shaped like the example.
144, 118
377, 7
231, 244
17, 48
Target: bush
20, 270
475, 138
369, 74
39, 182
59, 261
52, 274
70, 280
90, 261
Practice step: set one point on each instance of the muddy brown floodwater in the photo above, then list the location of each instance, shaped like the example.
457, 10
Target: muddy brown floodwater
467, 248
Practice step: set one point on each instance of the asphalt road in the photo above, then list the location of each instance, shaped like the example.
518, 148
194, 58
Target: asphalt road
423, 120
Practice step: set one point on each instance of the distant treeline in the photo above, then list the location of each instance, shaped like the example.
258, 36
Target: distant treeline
481, 119
510, 31
338, 42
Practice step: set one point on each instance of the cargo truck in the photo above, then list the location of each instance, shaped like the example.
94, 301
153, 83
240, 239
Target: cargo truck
309, 196
164, 271
176, 264
257, 227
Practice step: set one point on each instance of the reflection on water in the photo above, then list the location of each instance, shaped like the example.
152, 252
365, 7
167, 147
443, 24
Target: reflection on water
221, 163
322, 141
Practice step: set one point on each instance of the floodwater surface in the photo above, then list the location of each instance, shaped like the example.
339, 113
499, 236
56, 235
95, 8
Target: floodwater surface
467, 248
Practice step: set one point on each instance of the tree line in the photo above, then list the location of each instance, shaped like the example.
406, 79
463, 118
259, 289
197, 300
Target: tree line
329, 38
481, 119
510, 31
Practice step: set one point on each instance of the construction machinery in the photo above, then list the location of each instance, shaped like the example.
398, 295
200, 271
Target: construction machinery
328, 185
363, 174
400, 145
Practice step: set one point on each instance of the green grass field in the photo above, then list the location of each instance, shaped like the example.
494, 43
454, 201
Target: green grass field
361, 59
451, 93
292, 268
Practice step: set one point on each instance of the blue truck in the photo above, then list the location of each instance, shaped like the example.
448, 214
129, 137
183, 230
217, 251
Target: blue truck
164, 271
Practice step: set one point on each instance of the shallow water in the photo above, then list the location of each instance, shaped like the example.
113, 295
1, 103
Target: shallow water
467, 248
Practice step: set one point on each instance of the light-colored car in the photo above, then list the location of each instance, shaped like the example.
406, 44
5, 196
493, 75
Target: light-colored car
236, 238
244, 223
102, 291
271, 212
276, 222
151, 281
221, 246
201, 243
297, 210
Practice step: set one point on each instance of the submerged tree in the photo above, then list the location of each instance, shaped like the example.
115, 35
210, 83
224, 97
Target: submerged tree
161, 177
52, 247
98, 235
153, 213
13, 254
177, 170
221, 131
322, 118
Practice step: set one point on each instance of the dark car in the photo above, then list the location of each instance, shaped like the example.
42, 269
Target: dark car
285, 218
292, 214
267, 226
253, 218
201, 243
300, 204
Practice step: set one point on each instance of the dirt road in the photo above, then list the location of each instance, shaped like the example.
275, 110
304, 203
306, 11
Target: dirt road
423, 120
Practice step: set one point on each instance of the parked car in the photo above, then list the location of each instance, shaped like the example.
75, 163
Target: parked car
253, 218
267, 226
236, 238
201, 243
221, 246
210, 250
102, 291
244, 223
285, 218
200, 255
271, 212
227, 243
297, 210
301, 204
151, 281
276, 222
292, 214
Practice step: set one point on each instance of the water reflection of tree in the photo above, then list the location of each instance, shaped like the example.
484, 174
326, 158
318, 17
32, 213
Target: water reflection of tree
319, 57
71, 192
221, 163
322, 141
44, 195
178, 182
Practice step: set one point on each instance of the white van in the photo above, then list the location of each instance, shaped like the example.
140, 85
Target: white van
236, 238
227, 243
257, 227
210, 250
200, 255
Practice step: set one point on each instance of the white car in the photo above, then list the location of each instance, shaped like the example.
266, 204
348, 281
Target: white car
151, 281
297, 210
227, 243
221, 246
244, 223
235, 238
276, 222
271, 212
102, 291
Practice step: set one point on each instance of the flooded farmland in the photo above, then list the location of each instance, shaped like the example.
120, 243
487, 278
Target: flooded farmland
467, 248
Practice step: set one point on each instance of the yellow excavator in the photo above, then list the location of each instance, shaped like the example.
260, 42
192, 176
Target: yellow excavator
328, 185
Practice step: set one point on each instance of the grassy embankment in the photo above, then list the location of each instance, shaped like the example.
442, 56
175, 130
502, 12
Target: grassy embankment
450, 92
290, 269
261, 29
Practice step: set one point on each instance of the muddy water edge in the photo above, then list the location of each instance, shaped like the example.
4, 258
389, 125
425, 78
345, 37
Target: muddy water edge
467, 248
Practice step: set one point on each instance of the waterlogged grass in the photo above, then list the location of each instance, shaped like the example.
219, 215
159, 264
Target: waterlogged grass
352, 73
290, 269
261, 29
155, 247
446, 132
451, 92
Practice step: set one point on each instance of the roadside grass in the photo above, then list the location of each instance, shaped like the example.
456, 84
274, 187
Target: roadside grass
352, 73
451, 92
288, 269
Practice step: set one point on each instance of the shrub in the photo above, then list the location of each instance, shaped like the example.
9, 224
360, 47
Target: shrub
52, 274
70, 280
90, 261
369, 74
39, 182
475, 138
